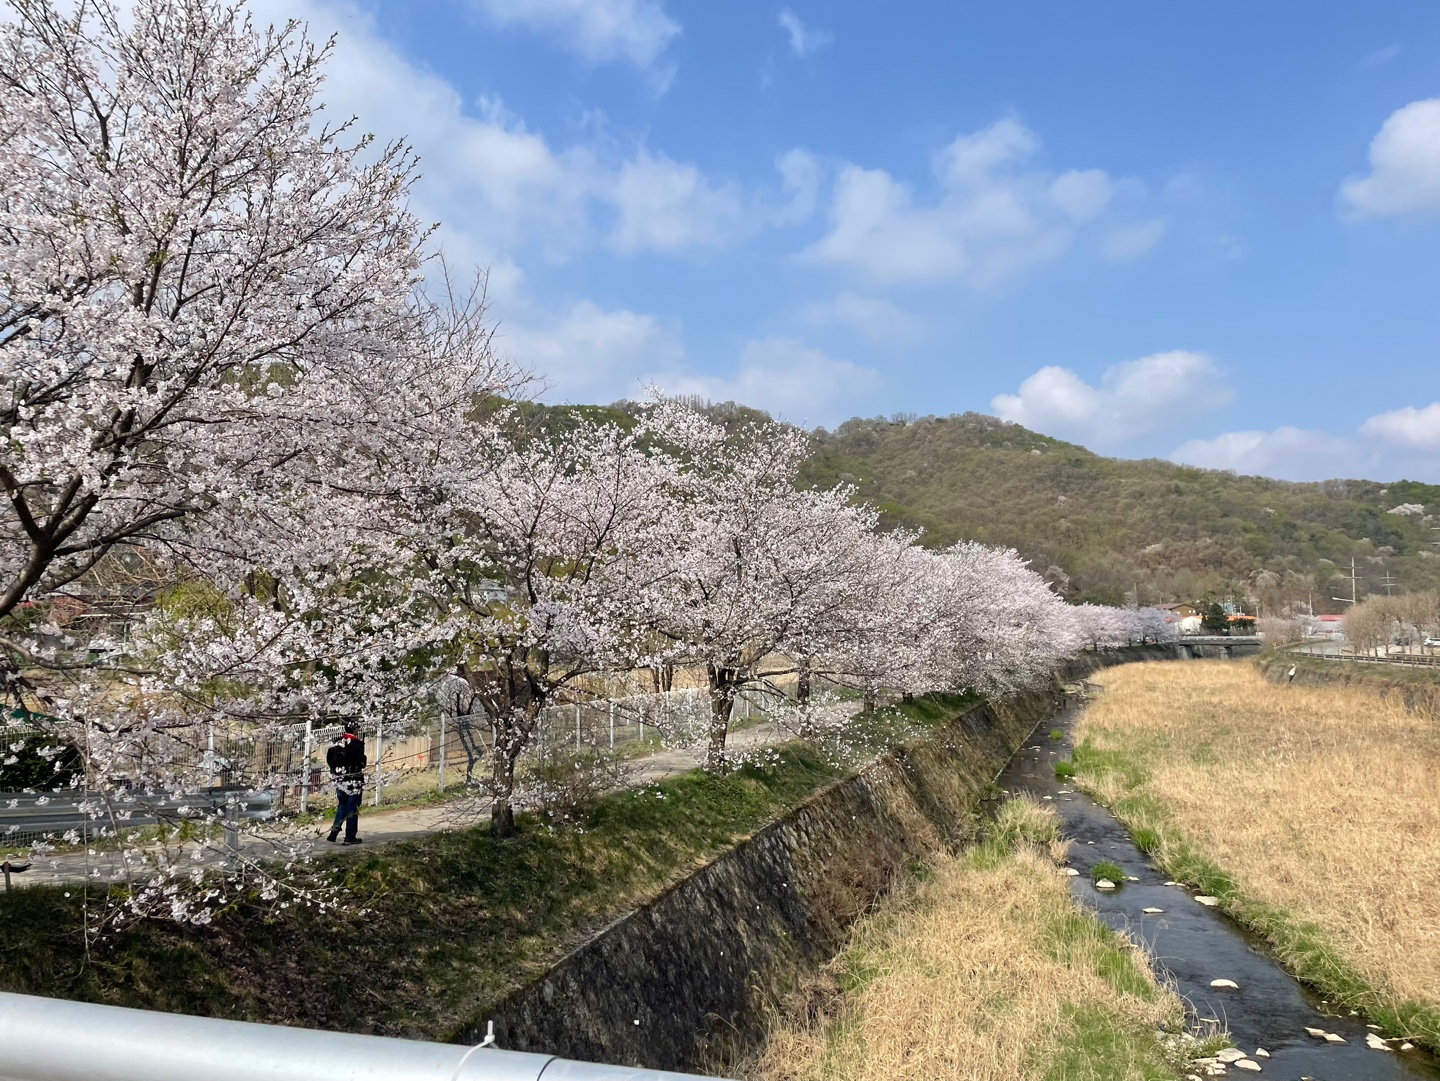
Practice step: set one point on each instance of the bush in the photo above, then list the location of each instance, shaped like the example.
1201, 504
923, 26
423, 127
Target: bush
570, 783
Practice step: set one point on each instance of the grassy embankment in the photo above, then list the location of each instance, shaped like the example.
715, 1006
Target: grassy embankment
1310, 811
984, 970
432, 929
1416, 687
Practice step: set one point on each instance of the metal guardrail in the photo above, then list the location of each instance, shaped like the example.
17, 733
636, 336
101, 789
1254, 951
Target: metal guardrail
46, 1039
1414, 660
28, 815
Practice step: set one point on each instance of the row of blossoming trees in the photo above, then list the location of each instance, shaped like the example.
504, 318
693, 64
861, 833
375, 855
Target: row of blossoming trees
223, 369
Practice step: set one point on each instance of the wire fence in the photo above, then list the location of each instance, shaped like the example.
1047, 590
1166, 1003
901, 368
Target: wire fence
287, 763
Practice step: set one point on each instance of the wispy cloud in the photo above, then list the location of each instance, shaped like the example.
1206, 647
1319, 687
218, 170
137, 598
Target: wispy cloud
1380, 57
598, 31
997, 213
804, 40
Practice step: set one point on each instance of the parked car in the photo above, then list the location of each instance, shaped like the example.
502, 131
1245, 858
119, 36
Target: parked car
1432, 643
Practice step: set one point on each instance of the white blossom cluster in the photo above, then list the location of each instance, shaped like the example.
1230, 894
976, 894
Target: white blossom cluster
227, 384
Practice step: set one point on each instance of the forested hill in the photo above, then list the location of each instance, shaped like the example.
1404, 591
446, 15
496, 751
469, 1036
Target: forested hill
1100, 527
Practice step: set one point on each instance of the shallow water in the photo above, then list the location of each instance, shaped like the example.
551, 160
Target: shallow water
1194, 944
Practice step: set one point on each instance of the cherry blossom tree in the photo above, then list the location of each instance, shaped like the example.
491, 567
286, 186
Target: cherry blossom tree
543, 542
216, 359
1100, 626
751, 569
994, 626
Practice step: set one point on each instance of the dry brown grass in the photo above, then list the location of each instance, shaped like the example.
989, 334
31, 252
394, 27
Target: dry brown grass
986, 971
1318, 800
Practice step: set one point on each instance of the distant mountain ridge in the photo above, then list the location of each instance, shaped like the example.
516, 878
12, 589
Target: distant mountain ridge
1109, 529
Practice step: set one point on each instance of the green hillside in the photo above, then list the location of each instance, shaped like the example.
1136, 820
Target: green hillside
1101, 527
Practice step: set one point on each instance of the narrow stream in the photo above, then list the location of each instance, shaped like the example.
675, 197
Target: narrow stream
1194, 944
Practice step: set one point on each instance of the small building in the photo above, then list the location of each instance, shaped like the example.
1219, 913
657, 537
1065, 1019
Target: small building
1240, 623
1179, 612
1330, 626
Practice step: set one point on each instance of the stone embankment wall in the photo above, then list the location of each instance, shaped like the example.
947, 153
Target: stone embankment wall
691, 977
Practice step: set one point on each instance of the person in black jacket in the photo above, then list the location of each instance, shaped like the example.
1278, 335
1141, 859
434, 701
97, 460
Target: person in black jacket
346, 759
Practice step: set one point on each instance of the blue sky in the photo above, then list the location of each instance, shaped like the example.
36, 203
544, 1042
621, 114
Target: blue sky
1201, 231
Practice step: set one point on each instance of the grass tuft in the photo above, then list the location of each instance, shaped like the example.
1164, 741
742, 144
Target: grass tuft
1108, 869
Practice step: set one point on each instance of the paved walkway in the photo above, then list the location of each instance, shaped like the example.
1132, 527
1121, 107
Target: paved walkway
377, 827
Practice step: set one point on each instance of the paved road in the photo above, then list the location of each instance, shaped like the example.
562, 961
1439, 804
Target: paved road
376, 827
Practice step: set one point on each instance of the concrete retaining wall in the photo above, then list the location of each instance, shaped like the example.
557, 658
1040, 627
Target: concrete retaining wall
690, 978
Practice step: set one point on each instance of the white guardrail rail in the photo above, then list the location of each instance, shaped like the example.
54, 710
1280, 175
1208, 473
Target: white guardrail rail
47, 1039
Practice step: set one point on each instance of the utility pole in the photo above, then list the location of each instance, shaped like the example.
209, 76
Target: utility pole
1388, 581
1354, 578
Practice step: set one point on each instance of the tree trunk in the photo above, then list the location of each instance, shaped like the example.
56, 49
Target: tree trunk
502, 810
870, 698
722, 700
803, 675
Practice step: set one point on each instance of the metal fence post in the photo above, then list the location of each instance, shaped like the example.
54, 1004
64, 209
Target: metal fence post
232, 828
444, 714
379, 756
305, 768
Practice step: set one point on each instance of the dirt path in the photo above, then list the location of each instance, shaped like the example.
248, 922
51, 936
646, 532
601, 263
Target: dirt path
377, 827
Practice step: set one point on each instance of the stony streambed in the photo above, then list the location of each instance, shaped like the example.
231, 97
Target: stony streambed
1194, 945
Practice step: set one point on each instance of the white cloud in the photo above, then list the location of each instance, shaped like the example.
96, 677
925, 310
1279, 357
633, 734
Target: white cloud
876, 319
804, 40
1134, 397
1293, 453
1408, 427
787, 378
665, 206
1131, 242
996, 214
498, 186
589, 354
599, 31
1083, 193
800, 173
491, 181
1404, 166
1388, 446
